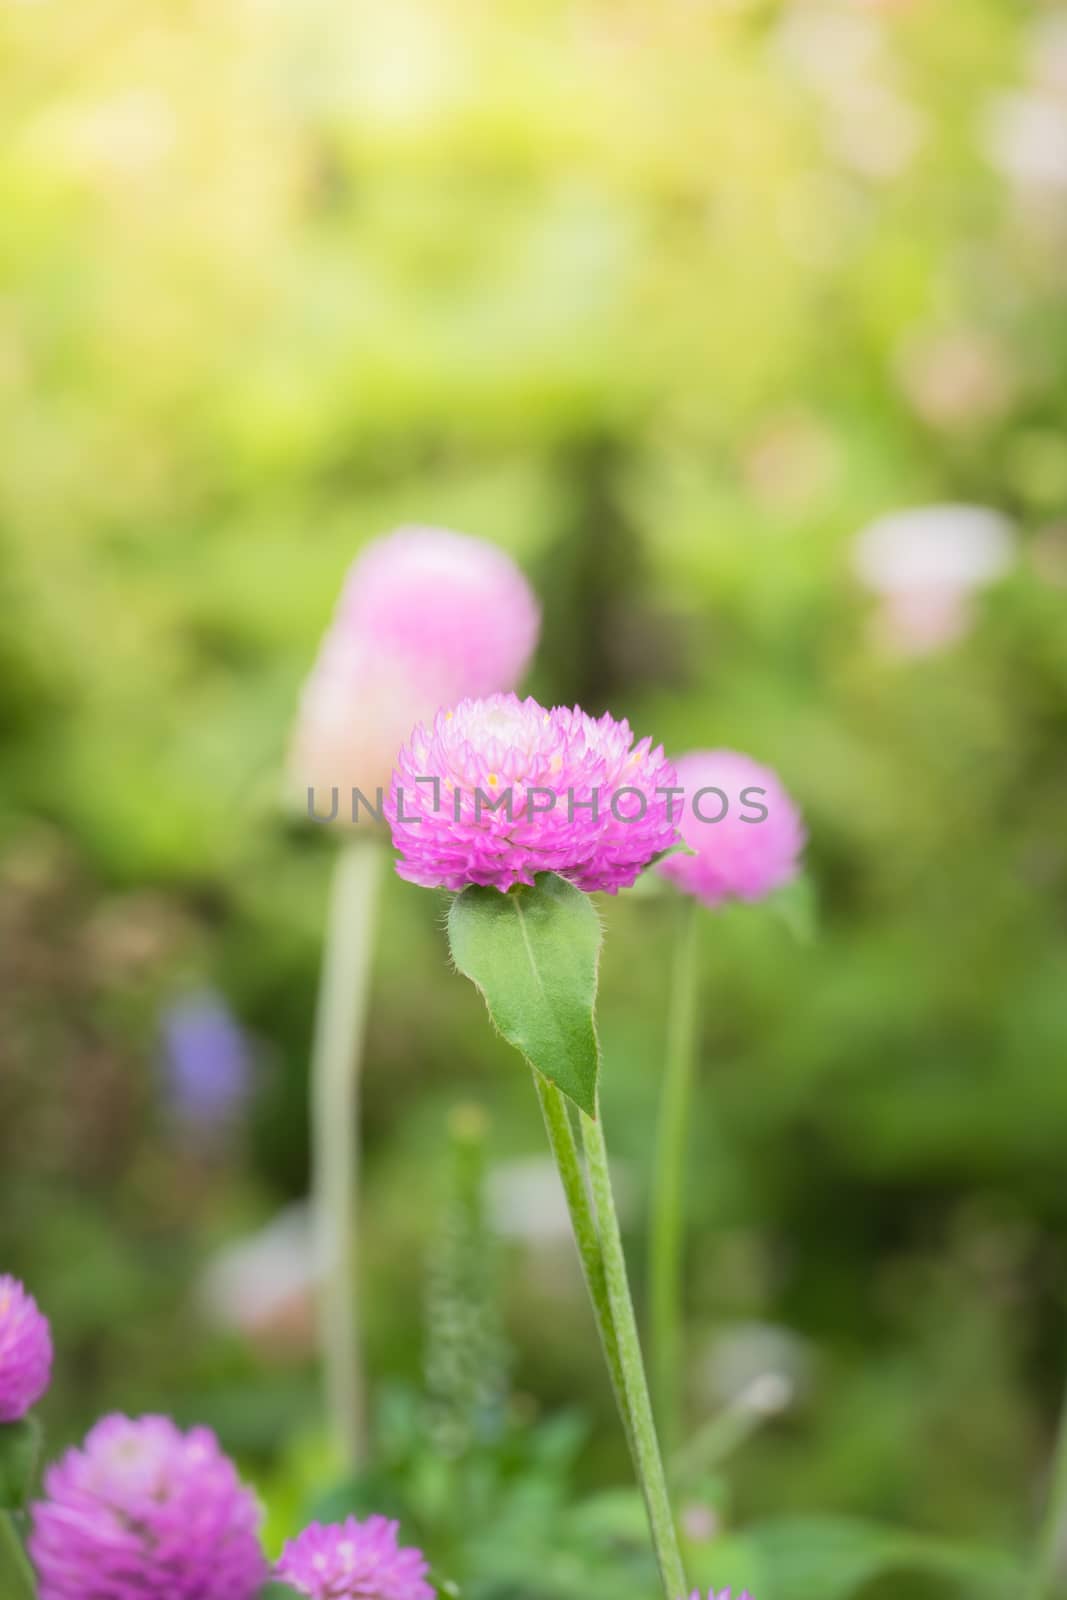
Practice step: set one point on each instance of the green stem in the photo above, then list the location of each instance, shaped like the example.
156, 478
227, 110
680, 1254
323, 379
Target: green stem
1044, 1584
667, 1229
565, 1150
16, 1575
335, 1072
645, 1443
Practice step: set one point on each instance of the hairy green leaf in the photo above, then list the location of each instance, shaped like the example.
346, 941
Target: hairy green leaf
533, 953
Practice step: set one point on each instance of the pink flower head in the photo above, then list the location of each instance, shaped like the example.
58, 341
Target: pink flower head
354, 1561
745, 831
425, 617
143, 1511
25, 1351
496, 790
457, 607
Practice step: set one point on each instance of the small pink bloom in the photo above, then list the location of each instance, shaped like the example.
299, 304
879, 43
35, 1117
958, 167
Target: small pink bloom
25, 1351
496, 790
425, 618
754, 847
354, 1560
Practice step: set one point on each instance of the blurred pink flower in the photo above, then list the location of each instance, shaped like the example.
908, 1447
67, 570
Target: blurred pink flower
916, 622
791, 461
357, 707
456, 607
743, 855
143, 1511
957, 379
25, 1351
425, 618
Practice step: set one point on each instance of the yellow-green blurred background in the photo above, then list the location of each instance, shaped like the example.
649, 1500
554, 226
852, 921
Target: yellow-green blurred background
669, 298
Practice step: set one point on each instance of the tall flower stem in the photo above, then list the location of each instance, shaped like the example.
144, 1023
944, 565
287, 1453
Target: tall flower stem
16, 1574
645, 1443
586, 1237
1050, 1540
668, 1183
335, 1078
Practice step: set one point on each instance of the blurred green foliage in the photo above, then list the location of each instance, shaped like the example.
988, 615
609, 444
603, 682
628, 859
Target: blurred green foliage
668, 299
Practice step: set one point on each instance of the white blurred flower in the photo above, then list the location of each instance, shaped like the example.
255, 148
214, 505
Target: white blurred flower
264, 1286
956, 547
1025, 137
926, 564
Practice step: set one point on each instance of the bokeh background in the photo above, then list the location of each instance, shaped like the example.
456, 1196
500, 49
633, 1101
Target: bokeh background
670, 300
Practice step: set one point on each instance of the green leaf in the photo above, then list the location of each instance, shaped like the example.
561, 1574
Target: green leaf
832, 1558
279, 1591
19, 1445
533, 953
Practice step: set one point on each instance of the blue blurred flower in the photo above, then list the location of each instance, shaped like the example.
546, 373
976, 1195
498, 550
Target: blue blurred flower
206, 1064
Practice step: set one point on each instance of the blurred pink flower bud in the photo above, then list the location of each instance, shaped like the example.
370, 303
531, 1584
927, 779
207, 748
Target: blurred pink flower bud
426, 617
357, 707
457, 608
745, 831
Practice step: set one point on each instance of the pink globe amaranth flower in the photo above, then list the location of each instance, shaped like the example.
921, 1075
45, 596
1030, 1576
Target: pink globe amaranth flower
25, 1351
354, 1560
145, 1512
457, 607
425, 618
734, 858
496, 790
